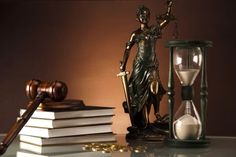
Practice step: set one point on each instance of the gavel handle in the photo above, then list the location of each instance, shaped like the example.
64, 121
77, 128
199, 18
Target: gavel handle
16, 128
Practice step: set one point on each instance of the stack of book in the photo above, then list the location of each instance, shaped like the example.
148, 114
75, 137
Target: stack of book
65, 132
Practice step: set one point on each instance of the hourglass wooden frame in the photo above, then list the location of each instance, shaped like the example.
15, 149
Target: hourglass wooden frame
171, 141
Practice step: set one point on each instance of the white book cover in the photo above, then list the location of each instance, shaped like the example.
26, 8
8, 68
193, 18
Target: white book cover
93, 138
51, 148
60, 132
59, 123
88, 111
75, 154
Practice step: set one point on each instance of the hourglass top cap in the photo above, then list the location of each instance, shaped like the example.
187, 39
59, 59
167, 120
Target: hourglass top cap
56, 90
189, 43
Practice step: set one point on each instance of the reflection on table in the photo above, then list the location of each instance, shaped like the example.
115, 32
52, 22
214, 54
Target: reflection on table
220, 146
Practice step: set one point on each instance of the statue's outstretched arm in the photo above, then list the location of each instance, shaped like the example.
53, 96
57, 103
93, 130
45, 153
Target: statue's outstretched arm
164, 19
128, 47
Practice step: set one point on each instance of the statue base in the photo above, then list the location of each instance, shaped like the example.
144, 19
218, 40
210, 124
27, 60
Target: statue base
153, 132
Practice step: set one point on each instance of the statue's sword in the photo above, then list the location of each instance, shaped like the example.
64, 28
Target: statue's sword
124, 79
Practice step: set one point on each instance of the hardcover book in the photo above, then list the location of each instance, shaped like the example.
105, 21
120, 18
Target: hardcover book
60, 123
74, 154
71, 131
93, 138
51, 149
86, 111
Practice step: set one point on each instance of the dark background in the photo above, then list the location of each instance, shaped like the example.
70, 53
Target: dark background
81, 43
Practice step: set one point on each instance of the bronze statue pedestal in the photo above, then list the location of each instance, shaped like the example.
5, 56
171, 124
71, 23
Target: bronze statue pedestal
153, 132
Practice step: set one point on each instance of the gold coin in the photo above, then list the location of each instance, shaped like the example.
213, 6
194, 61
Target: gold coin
114, 147
106, 151
139, 149
86, 147
123, 149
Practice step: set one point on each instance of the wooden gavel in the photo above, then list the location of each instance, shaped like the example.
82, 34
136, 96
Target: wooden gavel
37, 91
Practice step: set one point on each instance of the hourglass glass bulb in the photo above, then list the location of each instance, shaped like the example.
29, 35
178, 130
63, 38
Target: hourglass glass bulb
187, 64
187, 126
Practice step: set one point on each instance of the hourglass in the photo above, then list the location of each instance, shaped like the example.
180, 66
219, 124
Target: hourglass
187, 126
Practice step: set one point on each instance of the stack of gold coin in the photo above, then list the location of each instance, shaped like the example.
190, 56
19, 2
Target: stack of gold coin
112, 147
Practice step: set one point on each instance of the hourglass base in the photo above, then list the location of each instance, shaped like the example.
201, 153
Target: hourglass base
202, 143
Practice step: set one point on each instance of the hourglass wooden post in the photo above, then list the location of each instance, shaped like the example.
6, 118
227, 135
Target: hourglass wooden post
204, 92
187, 128
171, 92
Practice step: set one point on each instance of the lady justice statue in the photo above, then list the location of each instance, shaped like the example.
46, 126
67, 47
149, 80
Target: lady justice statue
144, 87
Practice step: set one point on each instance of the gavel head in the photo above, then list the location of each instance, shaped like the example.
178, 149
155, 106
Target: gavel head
56, 90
